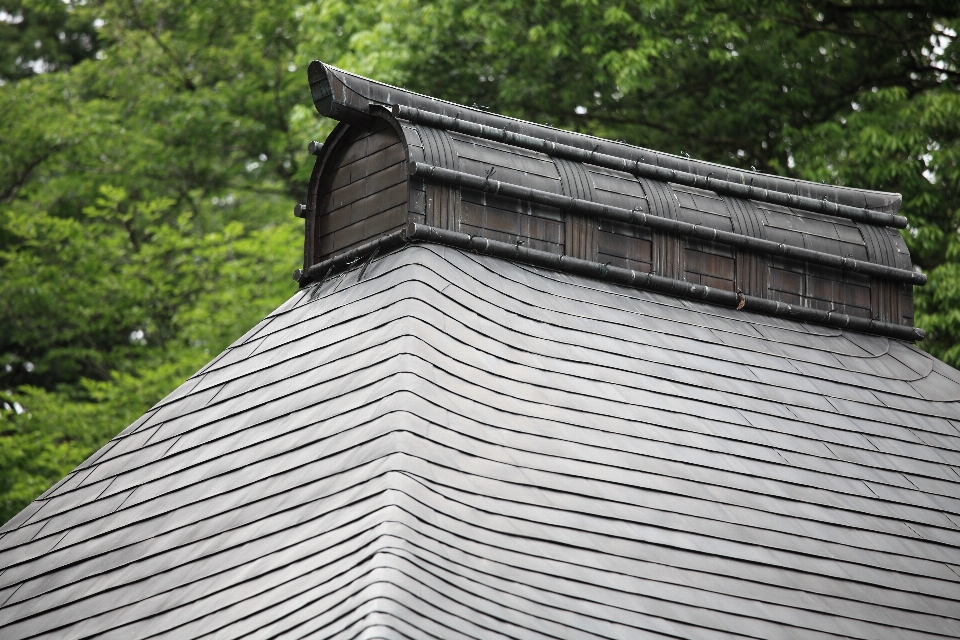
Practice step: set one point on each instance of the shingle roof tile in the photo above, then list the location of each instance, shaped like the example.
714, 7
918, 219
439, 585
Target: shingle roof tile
459, 446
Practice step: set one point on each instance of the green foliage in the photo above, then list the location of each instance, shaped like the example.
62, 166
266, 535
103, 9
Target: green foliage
144, 220
48, 433
40, 36
147, 174
722, 80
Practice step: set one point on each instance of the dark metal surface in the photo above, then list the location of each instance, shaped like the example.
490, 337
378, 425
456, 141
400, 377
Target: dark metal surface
350, 98
674, 227
601, 271
436, 443
552, 195
641, 167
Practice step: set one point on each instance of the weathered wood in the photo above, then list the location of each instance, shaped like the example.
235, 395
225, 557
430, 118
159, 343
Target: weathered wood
710, 264
885, 301
751, 277
623, 229
385, 179
710, 281
906, 305
787, 282
857, 312
786, 297
661, 223
363, 187
364, 207
443, 206
366, 166
389, 238
626, 247
580, 237
522, 207
855, 295
363, 230
364, 143
525, 226
418, 201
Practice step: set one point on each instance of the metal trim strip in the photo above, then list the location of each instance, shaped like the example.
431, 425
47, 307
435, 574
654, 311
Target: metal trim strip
677, 227
639, 167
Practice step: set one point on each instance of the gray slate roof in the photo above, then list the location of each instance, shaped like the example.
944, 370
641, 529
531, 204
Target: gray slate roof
458, 446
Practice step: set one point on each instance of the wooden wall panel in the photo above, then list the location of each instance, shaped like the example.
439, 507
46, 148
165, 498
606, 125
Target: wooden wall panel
580, 238
710, 264
906, 305
625, 245
363, 230
442, 206
364, 191
820, 288
706, 263
885, 301
510, 220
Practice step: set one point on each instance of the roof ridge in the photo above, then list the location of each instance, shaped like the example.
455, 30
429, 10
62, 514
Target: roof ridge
349, 97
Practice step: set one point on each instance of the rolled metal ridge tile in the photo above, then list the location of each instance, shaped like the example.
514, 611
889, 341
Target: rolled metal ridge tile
348, 97
640, 218
348, 258
641, 167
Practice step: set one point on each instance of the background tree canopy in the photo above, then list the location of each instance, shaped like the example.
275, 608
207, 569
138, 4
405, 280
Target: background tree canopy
151, 152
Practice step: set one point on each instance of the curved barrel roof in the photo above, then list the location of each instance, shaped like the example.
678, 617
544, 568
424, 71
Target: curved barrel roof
348, 97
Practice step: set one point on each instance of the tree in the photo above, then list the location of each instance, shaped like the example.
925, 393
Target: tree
144, 219
40, 36
151, 151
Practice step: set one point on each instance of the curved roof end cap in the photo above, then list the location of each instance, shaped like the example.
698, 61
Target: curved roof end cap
347, 97
333, 98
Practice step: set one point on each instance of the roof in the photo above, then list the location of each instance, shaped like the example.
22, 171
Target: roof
442, 444
347, 97
403, 163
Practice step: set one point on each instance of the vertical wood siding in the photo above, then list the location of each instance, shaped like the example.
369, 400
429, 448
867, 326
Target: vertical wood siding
364, 192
